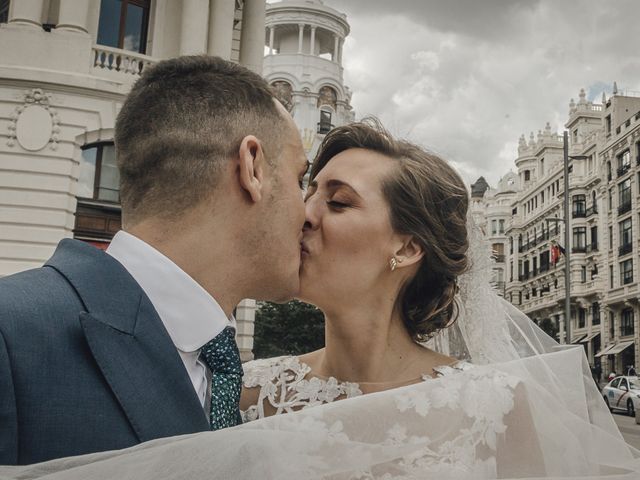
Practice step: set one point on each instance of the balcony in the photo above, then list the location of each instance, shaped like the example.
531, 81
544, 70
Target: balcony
108, 60
625, 248
324, 128
624, 208
591, 211
623, 169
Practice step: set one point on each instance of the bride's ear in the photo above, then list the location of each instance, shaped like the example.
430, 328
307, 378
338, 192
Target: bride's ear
410, 253
251, 164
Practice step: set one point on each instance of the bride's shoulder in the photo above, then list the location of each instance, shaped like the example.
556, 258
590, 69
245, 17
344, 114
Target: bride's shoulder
265, 370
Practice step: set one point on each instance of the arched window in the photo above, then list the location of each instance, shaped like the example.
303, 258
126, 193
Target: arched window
284, 93
325, 124
328, 96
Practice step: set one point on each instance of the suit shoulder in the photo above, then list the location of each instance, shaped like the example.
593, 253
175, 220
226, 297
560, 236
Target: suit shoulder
28, 297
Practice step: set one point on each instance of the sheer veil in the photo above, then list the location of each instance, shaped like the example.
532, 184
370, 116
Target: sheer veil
527, 408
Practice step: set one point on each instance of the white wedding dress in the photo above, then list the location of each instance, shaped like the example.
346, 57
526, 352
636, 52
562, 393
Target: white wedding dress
519, 406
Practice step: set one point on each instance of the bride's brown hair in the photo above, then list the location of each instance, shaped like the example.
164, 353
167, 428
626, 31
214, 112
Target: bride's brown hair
428, 200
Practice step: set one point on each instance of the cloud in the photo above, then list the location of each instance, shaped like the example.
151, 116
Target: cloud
466, 78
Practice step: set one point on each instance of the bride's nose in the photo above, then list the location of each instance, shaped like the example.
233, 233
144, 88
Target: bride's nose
311, 214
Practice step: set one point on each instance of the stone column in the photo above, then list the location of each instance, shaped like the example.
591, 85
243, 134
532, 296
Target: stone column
341, 46
26, 12
221, 16
336, 45
300, 36
271, 34
73, 15
312, 43
193, 27
252, 35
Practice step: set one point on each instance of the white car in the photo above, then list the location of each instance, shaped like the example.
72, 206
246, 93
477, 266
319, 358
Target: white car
622, 393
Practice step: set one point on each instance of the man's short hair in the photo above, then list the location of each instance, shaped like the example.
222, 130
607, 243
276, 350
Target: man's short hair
181, 120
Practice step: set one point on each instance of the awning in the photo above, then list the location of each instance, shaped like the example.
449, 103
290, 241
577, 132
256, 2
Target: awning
605, 351
590, 337
578, 338
620, 347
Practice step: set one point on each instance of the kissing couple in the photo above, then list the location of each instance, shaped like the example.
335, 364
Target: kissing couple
425, 372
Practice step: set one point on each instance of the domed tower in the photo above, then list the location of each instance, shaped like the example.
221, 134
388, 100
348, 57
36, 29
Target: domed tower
304, 65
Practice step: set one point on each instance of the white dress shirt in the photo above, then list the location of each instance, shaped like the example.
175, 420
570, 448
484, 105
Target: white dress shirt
190, 315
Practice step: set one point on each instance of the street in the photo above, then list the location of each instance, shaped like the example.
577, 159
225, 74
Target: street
630, 431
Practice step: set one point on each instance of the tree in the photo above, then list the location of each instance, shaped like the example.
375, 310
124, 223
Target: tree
291, 328
549, 327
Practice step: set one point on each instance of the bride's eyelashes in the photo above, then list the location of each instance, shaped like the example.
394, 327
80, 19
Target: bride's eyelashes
334, 205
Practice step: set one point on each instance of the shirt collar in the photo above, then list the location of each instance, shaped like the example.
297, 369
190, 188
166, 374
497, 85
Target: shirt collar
191, 316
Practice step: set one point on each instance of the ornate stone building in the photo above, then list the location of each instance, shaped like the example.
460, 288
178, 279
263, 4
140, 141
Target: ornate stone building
65, 68
604, 182
304, 65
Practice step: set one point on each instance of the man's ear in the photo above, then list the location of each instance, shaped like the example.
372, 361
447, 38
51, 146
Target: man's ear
251, 167
409, 253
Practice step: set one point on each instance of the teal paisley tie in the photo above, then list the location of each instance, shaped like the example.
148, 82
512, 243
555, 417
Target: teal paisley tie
223, 359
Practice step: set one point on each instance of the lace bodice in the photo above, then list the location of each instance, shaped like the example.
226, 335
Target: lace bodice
285, 385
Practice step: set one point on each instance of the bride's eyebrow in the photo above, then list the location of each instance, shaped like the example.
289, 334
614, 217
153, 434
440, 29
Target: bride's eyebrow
334, 184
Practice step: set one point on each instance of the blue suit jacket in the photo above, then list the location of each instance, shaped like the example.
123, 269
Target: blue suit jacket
85, 362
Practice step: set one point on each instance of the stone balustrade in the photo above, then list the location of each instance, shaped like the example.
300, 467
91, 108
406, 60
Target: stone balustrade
108, 59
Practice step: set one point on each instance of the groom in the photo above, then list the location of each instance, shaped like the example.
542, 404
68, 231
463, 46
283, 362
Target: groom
101, 351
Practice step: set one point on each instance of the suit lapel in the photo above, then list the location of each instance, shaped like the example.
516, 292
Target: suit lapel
130, 345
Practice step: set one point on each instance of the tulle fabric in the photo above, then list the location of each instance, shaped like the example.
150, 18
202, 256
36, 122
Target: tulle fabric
555, 424
527, 409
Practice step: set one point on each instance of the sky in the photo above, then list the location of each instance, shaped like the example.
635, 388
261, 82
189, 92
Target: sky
465, 78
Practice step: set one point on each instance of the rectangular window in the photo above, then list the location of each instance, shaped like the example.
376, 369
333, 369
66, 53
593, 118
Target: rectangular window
579, 206
527, 175
624, 162
124, 24
325, 125
582, 318
542, 198
494, 227
99, 177
607, 124
583, 274
626, 272
594, 238
610, 276
595, 313
626, 322
579, 239
624, 196
500, 226
4, 11
611, 199
610, 238
541, 168
625, 233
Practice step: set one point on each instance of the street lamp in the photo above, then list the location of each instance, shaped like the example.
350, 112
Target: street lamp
567, 238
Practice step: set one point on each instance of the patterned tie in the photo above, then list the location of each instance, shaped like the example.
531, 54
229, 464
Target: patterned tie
223, 359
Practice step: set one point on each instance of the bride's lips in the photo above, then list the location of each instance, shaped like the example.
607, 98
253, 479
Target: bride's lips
304, 250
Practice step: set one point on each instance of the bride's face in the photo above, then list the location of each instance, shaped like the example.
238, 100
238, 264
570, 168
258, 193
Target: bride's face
347, 238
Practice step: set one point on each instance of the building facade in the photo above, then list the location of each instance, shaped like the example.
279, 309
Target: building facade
65, 69
604, 189
304, 41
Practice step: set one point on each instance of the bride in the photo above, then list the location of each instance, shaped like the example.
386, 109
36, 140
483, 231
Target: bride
426, 372
385, 240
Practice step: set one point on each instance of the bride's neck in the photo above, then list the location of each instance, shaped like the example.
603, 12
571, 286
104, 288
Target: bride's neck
367, 344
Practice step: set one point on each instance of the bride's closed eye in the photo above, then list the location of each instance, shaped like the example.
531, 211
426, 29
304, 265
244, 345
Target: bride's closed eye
335, 205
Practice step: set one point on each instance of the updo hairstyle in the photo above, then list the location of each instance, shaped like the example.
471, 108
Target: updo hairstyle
428, 200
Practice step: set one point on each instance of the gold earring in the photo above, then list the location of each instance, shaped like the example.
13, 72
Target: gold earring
393, 263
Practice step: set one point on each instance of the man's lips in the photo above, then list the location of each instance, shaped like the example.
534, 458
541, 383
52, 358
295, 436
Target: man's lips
304, 250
